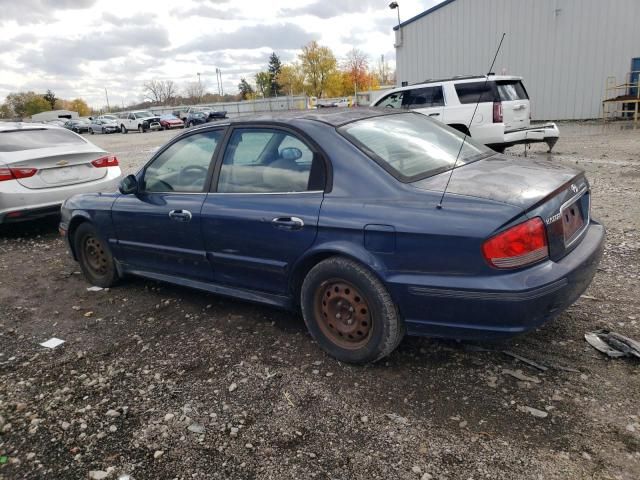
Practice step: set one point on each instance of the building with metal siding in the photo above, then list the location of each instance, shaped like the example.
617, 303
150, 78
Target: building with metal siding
564, 49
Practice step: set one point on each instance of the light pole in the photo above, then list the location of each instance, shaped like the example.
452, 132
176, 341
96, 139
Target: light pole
396, 7
199, 89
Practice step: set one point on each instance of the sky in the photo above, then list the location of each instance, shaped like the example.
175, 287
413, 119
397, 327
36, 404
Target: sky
77, 48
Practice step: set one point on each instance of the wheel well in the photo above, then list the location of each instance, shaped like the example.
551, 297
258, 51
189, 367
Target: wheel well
461, 128
73, 226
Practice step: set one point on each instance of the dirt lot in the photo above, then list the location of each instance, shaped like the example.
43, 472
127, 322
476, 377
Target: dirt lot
161, 382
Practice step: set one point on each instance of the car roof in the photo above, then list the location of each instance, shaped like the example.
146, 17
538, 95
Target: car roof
13, 126
458, 79
334, 118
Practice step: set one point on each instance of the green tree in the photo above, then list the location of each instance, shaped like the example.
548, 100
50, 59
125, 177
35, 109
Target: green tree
291, 79
245, 89
274, 70
263, 83
319, 65
6, 111
36, 104
80, 106
51, 98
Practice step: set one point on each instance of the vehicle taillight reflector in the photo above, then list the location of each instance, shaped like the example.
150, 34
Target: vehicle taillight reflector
497, 112
518, 246
106, 161
15, 173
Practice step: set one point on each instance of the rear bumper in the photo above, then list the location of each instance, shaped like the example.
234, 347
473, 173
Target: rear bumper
548, 133
477, 308
14, 198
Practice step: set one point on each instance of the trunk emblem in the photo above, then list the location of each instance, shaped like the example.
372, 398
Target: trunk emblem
62, 163
574, 188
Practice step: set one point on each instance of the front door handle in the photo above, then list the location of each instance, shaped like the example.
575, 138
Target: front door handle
180, 215
434, 114
288, 223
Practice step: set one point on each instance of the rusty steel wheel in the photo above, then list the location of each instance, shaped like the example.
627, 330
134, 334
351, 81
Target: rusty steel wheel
343, 313
95, 255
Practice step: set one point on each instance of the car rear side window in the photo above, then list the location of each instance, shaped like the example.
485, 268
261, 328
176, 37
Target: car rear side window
473, 92
17, 140
184, 166
263, 160
423, 97
512, 90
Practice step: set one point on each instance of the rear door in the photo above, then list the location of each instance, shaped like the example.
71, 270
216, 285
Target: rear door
516, 109
426, 100
159, 228
263, 213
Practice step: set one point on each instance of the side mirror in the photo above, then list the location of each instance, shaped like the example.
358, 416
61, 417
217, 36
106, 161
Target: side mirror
128, 185
290, 153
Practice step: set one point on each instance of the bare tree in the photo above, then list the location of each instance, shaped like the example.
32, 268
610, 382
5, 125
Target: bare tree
194, 91
160, 91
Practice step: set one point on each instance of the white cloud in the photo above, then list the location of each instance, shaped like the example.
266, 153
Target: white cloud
79, 47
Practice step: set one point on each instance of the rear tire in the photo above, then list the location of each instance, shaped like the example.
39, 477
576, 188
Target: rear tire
94, 256
349, 312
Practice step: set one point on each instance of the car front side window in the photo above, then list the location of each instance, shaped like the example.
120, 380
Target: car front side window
393, 100
262, 160
184, 166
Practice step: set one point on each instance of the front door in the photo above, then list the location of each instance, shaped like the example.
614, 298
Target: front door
158, 229
263, 213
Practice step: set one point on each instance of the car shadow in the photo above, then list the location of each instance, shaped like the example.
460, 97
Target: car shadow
30, 228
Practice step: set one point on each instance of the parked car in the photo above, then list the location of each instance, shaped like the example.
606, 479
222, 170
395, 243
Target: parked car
77, 125
103, 125
41, 165
108, 116
195, 118
141, 120
336, 214
210, 114
503, 117
169, 121
340, 102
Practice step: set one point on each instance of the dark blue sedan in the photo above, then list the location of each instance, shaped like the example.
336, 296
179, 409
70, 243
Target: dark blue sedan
339, 215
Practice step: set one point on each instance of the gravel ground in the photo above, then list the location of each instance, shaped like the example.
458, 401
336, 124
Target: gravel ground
161, 382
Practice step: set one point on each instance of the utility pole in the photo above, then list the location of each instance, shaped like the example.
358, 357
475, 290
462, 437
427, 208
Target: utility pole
107, 97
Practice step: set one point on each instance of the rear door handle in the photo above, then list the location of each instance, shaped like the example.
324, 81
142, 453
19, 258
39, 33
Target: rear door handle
434, 114
288, 223
180, 215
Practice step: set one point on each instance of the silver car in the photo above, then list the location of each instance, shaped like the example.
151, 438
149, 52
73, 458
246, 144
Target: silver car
103, 125
42, 165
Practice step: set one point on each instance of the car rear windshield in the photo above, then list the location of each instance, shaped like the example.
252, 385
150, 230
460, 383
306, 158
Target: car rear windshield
16, 140
511, 90
411, 146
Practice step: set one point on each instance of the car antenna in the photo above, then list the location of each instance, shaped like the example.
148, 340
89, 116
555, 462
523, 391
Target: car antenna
466, 134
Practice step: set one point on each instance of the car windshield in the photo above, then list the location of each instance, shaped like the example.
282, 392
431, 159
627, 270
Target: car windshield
411, 146
143, 114
16, 140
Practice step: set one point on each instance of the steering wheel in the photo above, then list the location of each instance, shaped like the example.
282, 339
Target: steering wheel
194, 173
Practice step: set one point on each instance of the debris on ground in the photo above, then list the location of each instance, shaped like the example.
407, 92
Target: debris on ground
520, 376
52, 343
533, 411
613, 344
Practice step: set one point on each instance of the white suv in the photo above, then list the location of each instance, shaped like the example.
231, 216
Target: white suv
503, 117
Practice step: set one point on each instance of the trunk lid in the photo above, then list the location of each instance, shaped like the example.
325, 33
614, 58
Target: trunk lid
559, 195
516, 108
58, 166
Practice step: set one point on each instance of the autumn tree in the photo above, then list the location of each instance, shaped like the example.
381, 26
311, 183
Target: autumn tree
356, 66
318, 65
263, 83
245, 89
291, 79
274, 70
80, 106
51, 98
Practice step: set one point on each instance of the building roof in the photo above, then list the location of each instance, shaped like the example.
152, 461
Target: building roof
424, 14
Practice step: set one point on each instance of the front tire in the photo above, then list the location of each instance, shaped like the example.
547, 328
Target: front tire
141, 128
123, 129
94, 256
349, 312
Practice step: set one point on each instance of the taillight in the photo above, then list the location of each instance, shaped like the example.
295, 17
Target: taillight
15, 173
106, 161
497, 112
518, 246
